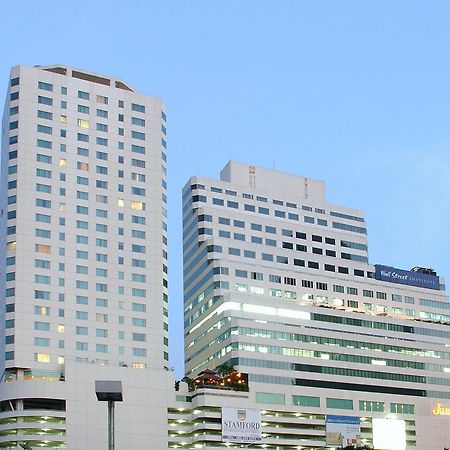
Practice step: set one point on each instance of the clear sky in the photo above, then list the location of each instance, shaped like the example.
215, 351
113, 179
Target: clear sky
355, 93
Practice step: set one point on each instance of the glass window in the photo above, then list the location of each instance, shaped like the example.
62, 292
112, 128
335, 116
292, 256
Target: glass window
45, 100
138, 108
45, 86
102, 99
303, 400
138, 121
339, 403
138, 135
270, 398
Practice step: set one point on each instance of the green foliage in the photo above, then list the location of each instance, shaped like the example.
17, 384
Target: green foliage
225, 369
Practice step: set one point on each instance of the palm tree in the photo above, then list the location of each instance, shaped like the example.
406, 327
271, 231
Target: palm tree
225, 369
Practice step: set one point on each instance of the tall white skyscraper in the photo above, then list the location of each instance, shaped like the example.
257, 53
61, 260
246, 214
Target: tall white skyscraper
84, 247
278, 284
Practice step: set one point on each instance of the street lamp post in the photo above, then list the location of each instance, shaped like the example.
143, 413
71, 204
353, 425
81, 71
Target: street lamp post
111, 392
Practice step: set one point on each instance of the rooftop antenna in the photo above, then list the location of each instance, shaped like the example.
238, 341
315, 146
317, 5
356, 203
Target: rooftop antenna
252, 176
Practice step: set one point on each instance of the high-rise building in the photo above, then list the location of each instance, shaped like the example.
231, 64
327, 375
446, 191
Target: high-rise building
84, 259
278, 284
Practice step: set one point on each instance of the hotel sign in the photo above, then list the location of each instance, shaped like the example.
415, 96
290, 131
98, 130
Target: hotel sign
440, 410
241, 425
393, 275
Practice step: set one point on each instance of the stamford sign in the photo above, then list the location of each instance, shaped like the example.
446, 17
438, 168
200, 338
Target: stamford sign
241, 425
393, 275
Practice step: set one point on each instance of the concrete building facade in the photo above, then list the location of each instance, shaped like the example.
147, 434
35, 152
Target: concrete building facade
278, 283
84, 253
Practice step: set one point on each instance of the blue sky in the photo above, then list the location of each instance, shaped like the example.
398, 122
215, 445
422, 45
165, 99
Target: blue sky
354, 93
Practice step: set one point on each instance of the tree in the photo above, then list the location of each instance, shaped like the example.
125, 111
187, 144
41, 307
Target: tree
225, 369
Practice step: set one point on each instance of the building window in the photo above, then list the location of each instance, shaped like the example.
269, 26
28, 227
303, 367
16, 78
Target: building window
402, 408
339, 403
102, 99
42, 357
45, 100
270, 398
303, 400
138, 108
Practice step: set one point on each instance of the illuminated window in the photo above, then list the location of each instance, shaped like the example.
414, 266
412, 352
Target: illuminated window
83, 166
42, 310
11, 245
121, 202
60, 328
138, 365
62, 162
402, 408
138, 206
60, 359
42, 357
101, 317
102, 99
40, 248
366, 405
83, 123
63, 119
257, 290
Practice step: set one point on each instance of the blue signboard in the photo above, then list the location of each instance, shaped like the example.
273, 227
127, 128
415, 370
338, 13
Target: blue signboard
343, 419
393, 275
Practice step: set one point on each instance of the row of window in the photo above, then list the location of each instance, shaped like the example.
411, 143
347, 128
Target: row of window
281, 259
277, 213
284, 232
82, 95
99, 257
344, 343
275, 202
286, 245
83, 315
333, 403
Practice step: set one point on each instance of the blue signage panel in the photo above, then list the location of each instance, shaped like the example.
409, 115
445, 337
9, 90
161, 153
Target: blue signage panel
393, 275
343, 419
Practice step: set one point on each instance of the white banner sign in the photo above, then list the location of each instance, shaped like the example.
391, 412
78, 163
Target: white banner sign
241, 425
343, 430
389, 434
